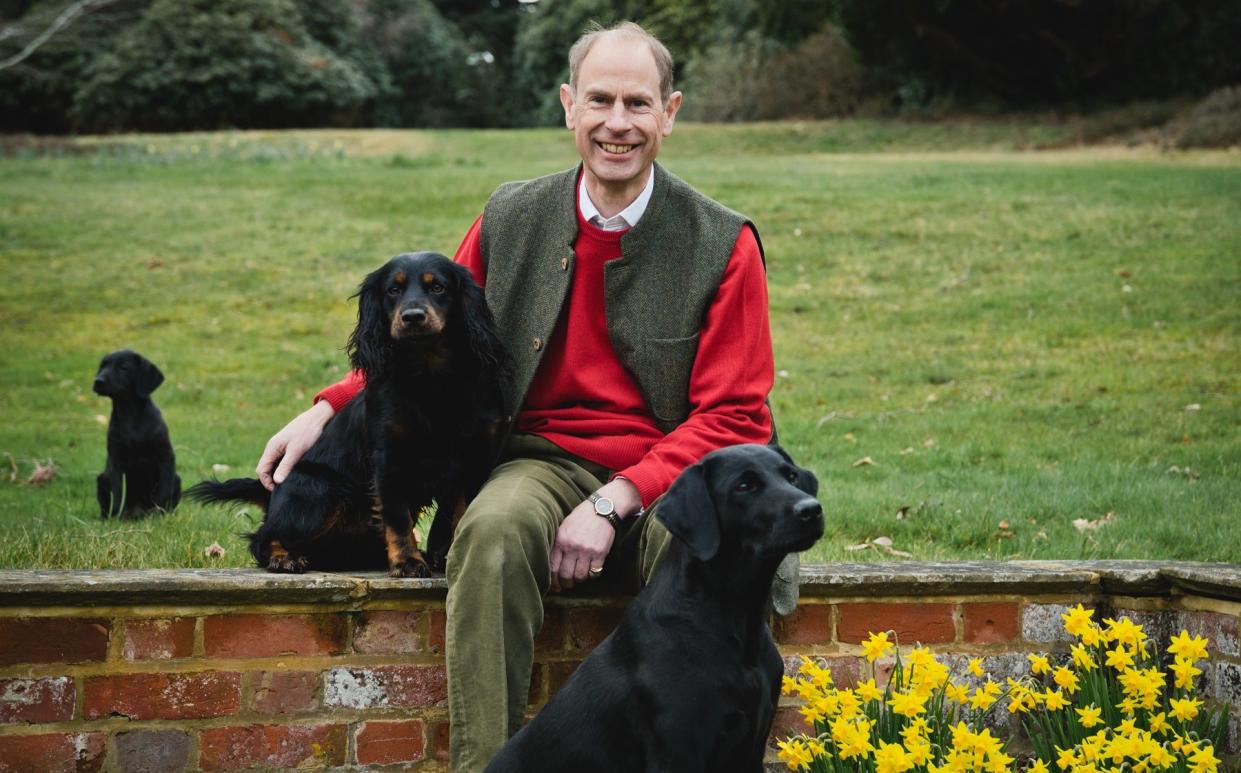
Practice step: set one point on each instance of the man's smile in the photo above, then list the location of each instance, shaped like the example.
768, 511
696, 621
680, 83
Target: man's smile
618, 149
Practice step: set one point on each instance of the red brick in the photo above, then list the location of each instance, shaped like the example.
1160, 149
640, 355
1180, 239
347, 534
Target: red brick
52, 753
991, 623
551, 635
809, 624
386, 687
163, 696
36, 700
388, 633
559, 673
262, 636
925, 623
285, 692
1220, 631
443, 737
52, 640
436, 637
389, 743
272, 746
588, 626
787, 721
159, 639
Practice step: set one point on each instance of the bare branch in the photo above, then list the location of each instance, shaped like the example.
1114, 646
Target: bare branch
66, 17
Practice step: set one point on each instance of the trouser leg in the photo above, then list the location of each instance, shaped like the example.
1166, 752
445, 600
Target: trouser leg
497, 577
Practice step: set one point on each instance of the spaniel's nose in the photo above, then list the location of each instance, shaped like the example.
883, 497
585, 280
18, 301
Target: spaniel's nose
414, 316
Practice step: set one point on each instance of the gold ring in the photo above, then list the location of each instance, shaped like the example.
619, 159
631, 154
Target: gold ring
596, 572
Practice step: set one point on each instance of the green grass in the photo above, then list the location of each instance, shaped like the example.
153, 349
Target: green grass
1010, 336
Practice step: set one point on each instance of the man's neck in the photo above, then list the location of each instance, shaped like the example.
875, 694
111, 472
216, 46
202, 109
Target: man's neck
610, 200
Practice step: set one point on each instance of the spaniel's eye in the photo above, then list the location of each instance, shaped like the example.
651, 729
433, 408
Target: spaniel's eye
394, 290
436, 288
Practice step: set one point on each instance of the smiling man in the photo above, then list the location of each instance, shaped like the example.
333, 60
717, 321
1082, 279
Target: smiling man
635, 311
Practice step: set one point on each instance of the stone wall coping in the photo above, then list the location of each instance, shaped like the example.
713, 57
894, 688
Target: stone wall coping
223, 587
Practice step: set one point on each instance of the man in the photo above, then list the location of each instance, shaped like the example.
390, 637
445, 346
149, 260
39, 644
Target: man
635, 310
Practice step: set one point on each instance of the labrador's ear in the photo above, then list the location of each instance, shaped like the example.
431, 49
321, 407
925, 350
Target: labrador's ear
147, 376
806, 481
688, 512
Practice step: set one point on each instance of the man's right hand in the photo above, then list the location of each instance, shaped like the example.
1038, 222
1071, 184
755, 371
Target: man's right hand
289, 444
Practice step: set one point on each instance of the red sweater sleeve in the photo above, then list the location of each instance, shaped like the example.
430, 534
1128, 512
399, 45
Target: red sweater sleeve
731, 378
470, 255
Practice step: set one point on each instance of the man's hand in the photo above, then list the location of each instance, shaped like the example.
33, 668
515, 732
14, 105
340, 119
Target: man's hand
289, 444
584, 539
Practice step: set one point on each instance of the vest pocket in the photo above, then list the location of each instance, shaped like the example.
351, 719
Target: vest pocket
663, 375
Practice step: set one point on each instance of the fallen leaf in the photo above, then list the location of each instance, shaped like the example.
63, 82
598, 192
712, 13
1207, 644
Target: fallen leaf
782, 373
932, 397
155, 263
902, 512
13, 474
928, 443
1081, 524
883, 542
906, 451
101, 419
864, 462
1193, 407
1004, 525
43, 473
850, 437
220, 469
214, 550
855, 548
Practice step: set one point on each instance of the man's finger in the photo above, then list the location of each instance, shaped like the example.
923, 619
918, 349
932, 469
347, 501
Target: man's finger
557, 556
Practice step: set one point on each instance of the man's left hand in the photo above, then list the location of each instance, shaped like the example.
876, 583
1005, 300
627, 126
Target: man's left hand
584, 538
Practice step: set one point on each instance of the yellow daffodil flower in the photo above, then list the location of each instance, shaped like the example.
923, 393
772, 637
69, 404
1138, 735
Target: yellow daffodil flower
957, 692
1038, 664
868, 691
906, 704
1076, 619
1054, 701
1193, 648
1119, 658
1082, 658
1185, 672
876, 646
1090, 716
1066, 679
975, 667
1184, 709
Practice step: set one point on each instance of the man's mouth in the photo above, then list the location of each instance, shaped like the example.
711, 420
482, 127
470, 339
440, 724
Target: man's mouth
617, 149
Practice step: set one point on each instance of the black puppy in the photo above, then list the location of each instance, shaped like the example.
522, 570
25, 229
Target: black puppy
426, 427
141, 471
689, 679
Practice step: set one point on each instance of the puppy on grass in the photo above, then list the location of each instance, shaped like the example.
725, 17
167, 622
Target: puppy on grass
141, 472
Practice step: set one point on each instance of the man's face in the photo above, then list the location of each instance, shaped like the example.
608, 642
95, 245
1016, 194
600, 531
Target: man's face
616, 114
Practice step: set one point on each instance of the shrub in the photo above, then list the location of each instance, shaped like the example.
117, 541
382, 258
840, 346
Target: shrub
206, 64
1215, 122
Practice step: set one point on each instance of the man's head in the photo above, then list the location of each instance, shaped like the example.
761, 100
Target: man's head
620, 105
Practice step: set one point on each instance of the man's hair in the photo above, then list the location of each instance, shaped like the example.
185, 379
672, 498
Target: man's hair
594, 31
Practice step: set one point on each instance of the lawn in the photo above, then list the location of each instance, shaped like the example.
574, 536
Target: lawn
977, 344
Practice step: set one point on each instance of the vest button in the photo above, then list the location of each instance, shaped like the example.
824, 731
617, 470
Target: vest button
537, 343
564, 264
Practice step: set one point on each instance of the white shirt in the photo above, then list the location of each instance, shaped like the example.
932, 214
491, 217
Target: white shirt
626, 218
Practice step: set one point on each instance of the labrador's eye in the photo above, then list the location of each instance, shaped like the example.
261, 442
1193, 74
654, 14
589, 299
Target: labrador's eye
791, 476
745, 484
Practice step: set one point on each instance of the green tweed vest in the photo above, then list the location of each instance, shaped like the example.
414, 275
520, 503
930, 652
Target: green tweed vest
657, 292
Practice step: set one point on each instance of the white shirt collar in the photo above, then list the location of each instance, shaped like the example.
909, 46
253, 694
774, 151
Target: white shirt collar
626, 218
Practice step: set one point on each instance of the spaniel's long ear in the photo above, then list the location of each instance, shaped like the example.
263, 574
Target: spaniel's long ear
370, 341
479, 325
147, 376
689, 513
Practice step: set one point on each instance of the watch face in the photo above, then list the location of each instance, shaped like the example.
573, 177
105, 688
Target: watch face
604, 506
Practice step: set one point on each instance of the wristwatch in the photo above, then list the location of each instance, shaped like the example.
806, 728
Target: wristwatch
605, 508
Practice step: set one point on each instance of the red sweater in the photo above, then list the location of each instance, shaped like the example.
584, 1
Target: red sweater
583, 400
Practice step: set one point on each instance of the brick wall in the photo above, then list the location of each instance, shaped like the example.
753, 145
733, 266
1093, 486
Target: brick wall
231, 670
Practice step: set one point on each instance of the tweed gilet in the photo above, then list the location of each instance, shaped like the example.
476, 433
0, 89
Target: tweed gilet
657, 293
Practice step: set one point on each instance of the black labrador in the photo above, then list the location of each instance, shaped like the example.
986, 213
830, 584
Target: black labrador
141, 471
689, 679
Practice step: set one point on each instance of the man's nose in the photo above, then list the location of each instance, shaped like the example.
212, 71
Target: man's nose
618, 117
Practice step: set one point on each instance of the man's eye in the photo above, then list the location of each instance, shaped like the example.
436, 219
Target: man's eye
436, 288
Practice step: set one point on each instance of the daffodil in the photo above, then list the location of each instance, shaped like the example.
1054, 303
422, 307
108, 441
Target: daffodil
1054, 700
892, 758
876, 646
1038, 664
1159, 722
1185, 672
1119, 658
1193, 648
906, 704
1184, 709
1065, 678
1204, 760
975, 667
1076, 619
1082, 658
868, 691
957, 692
1090, 716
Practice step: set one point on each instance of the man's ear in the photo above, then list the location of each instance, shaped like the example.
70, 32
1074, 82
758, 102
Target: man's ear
671, 106
689, 514
567, 101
